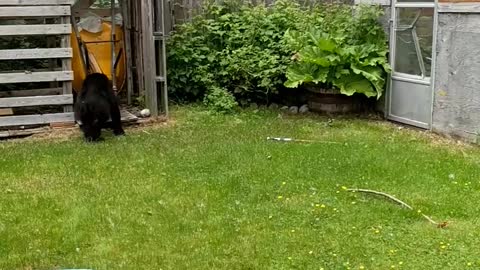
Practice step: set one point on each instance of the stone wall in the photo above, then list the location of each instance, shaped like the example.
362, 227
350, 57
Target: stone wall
456, 108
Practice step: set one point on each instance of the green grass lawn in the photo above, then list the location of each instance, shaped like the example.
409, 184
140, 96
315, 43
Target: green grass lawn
209, 192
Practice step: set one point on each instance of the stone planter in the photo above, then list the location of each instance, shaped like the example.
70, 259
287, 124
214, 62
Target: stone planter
331, 100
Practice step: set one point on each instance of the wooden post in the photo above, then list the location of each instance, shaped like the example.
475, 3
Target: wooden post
163, 59
149, 69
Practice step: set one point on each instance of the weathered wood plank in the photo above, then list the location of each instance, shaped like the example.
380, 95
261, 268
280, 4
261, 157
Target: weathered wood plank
125, 117
37, 119
22, 132
35, 2
31, 92
459, 7
45, 119
49, 76
35, 29
14, 102
35, 53
102, 12
37, 11
67, 66
6, 111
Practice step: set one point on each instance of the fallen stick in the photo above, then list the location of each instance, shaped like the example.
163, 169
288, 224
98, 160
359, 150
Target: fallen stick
439, 225
298, 140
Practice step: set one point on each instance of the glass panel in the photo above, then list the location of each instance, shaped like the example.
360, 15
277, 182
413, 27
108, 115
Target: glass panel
411, 101
413, 47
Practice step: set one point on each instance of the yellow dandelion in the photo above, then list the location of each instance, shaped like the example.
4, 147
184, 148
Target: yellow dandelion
317, 205
353, 202
289, 258
284, 183
280, 197
361, 267
469, 264
310, 252
377, 231
322, 206
419, 211
443, 247
338, 191
293, 231
344, 187
393, 266
400, 263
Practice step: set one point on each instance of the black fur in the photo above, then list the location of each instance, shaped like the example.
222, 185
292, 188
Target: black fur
95, 105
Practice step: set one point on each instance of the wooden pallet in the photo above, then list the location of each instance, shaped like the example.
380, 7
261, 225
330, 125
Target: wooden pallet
21, 9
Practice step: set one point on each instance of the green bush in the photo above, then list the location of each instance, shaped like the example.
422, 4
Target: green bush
241, 48
245, 50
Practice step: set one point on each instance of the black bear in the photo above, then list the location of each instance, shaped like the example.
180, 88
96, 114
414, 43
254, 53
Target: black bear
95, 105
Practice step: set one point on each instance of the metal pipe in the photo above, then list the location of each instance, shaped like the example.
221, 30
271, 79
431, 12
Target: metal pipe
112, 40
419, 52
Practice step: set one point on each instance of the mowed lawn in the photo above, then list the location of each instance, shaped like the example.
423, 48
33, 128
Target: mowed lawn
210, 192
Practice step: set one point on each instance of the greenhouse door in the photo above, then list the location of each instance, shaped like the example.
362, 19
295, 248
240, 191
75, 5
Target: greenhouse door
412, 39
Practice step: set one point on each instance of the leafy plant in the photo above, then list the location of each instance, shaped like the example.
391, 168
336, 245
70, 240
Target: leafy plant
237, 46
347, 51
220, 100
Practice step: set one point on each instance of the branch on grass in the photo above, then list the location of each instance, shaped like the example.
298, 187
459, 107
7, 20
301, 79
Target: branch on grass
439, 225
300, 140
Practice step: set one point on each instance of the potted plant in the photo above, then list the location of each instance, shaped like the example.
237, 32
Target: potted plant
336, 68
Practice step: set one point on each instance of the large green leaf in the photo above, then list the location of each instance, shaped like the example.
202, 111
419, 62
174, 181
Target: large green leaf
314, 55
341, 71
351, 84
326, 44
322, 40
300, 73
373, 74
